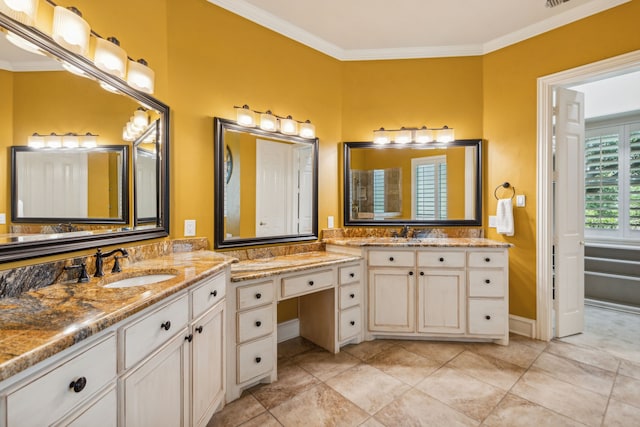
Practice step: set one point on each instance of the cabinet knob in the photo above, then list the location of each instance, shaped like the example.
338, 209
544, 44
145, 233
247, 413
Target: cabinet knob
487, 281
214, 293
487, 259
258, 295
199, 329
188, 337
487, 317
441, 259
391, 258
310, 282
352, 323
352, 274
79, 384
258, 323
258, 359
166, 325
352, 295
411, 273
422, 273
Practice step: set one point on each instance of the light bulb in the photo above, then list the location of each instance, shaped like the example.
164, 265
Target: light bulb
268, 121
307, 130
245, 116
288, 126
381, 136
70, 30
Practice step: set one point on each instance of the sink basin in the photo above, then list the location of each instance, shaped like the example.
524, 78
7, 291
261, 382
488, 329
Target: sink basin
147, 279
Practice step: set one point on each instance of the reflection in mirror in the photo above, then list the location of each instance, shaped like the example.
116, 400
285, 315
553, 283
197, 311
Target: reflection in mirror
145, 160
70, 185
419, 184
39, 96
266, 186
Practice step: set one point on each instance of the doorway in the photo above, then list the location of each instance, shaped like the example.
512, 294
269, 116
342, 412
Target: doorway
547, 85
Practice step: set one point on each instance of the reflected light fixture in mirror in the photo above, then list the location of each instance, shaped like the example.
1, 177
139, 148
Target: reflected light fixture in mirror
70, 30
68, 140
406, 135
23, 11
23, 44
270, 122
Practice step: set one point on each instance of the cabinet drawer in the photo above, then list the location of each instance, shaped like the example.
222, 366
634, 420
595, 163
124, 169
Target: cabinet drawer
392, 258
144, 336
49, 397
487, 317
350, 295
486, 283
255, 295
255, 359
441, 259
306, 283
207, 294
350, 274
488, 259
350, 323
255, 323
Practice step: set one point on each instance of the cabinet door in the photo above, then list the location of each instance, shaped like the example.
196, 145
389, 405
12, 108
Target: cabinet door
441, 297
207, 364
391, 300
156, 393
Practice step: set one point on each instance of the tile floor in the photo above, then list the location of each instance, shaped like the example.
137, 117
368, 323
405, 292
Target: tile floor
592, 379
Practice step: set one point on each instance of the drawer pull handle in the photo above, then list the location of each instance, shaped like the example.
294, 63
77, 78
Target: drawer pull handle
214, 293
352, 274
79, 384
188, 337
487, 317
422, 273
199, 329
258, 295
411, 273
310, 282
391, 258
487, 281
352, 295
258, 323
258, 359
441, 259
166, 325
487, 259
352, 323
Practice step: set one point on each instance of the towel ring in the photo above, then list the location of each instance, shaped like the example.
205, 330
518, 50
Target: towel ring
504, 185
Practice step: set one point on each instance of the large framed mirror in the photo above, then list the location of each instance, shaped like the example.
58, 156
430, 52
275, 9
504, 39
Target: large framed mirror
266, 186
41, 96
433, 184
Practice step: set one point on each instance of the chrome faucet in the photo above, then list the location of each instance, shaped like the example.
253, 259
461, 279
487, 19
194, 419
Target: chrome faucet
100, 260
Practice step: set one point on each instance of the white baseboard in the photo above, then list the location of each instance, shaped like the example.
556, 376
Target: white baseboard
288, 330
522, 326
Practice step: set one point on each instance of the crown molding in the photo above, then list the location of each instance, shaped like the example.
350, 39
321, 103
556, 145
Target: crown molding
274, 23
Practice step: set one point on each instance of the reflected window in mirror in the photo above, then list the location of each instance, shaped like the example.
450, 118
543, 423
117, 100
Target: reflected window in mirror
265, 186
418, 184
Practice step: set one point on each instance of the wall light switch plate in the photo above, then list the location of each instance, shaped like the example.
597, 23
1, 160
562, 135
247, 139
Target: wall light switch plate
3, 218
330, 221
189, 227
493, 221
520, 201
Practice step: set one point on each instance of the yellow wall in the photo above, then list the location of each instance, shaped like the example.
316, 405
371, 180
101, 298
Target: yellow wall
98, 179
6, 133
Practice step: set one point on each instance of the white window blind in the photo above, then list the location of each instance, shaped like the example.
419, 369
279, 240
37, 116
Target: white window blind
429, 183
378, 191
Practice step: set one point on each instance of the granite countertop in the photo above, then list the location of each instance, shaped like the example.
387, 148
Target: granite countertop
265, 267
41, 323
453, 242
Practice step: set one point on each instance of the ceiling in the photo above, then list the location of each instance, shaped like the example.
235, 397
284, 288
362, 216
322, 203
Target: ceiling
395, 29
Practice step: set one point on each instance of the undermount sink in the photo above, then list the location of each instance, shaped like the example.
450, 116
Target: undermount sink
147, 279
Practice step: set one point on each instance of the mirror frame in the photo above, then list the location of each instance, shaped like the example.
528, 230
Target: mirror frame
25, 250
346, 177
124, 216
220, 125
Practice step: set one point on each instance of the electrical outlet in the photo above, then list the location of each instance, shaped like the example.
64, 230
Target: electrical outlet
189, 227
330, 221
3, 218
520, 200
493, 221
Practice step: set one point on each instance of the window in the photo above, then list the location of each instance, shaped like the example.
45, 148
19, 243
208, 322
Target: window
429, 183
612, 180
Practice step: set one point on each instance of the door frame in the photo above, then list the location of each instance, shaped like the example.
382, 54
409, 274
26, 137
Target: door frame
544, 230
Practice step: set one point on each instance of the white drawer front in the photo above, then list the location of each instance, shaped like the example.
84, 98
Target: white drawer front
255, 359
54, 393
392, 258
255, 295
486, 283
487, 317
350, 295
153, 330
255, 323
306, 283
488, 259
441, 259
350, 274
350, 323
208, 294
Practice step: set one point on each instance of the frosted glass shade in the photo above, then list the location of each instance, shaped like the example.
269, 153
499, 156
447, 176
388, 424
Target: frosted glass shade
307, 130
89, 141
403, 136
140, 119
36, 141
23, 44
445, 135
70, 141
424, 135
268, 122
289, 126
140, 76
126, 136
110, 57
245, 116
70, 30
24, 11
53, 141
381, 136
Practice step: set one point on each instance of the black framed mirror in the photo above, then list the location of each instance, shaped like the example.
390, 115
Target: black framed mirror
40, 100
266, 186
432, 184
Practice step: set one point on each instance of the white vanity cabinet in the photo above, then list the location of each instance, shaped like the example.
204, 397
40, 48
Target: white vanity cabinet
350, 315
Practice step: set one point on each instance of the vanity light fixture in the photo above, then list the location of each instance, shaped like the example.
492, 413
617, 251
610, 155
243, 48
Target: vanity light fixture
70, 30
53, 140
23, 44
69, 140
406, 135
136, 125
140, 76
75, 70
110, 57
36, 141
270, 122
23, 11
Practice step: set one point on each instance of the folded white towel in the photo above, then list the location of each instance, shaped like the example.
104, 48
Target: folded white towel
504, 212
